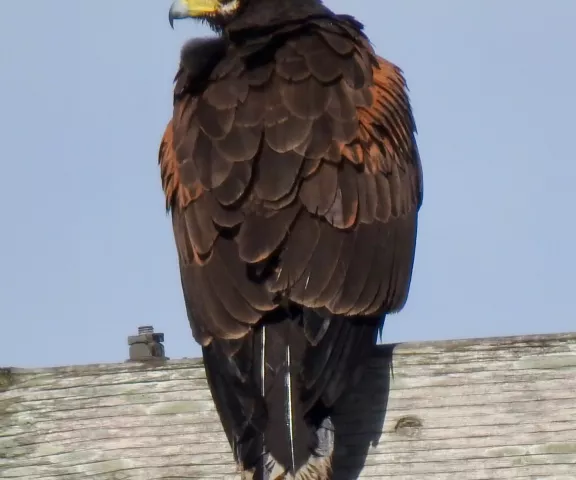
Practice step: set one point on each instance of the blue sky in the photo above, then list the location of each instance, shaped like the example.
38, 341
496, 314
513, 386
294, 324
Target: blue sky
86, 250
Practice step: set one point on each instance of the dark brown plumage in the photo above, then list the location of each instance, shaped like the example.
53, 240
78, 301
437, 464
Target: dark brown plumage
294, 180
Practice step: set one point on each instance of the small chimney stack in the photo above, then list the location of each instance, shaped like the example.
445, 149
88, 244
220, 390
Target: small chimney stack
146, 346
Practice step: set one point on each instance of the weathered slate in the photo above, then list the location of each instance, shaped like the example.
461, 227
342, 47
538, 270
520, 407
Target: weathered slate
502, 408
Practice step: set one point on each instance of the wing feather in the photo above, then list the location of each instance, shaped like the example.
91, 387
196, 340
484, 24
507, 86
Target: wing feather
297, 177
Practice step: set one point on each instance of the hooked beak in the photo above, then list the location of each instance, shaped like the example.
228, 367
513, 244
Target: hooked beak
191, 8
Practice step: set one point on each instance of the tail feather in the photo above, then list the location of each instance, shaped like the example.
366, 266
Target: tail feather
275, 389
289, 438
239, 404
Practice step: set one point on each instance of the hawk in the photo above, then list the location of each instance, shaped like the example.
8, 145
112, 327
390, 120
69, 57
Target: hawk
293, 178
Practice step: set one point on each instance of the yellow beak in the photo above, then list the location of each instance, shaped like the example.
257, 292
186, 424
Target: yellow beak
191, 8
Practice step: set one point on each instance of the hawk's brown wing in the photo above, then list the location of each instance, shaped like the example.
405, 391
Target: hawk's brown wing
303, 166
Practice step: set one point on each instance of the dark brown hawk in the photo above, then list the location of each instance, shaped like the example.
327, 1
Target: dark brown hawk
294, 181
